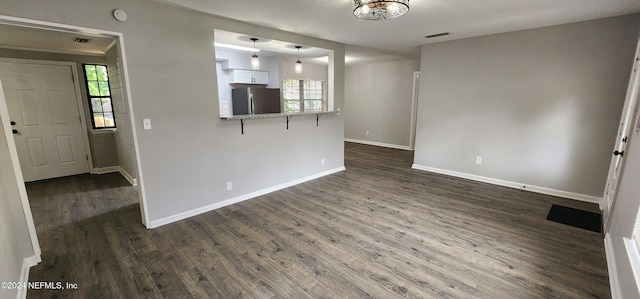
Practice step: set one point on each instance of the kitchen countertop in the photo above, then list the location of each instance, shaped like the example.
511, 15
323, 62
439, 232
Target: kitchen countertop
274, 115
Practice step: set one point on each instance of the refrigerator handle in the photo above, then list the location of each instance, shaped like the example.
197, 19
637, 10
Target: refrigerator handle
251, 103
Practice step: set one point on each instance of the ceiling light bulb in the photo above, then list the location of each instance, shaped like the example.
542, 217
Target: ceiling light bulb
365, 9
255, 62
298, 66
393, 8
298, 63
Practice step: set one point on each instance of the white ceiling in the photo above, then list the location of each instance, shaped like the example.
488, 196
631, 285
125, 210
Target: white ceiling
366, 40
268, 47
25, 38
333, 19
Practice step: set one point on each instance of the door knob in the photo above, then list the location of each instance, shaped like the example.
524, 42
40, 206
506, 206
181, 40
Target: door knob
13, 123
617, 153
15, 131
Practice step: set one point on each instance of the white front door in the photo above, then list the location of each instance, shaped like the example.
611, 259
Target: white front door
617, 162
44, 112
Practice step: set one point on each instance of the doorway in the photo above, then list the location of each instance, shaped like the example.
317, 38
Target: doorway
624, 131
115, 46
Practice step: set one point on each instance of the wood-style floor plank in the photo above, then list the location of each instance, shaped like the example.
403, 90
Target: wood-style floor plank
377, 230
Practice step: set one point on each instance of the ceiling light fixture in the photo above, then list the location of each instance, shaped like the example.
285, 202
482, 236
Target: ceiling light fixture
298, 63
380, 9
255, 61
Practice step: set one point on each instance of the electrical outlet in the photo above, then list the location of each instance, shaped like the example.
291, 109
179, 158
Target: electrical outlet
322, 161
367, 132
478, 160
146, 123
229, 186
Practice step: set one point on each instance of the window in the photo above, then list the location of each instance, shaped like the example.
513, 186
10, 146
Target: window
99, 93
303, 95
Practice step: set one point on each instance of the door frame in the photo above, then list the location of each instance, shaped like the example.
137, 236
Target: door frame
625, 127
415, 93
22, 189
120, 44
79, 101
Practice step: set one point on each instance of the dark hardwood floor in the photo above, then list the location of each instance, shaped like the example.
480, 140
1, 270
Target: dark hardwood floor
378, 229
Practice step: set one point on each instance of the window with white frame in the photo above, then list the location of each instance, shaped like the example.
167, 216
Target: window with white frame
303, 95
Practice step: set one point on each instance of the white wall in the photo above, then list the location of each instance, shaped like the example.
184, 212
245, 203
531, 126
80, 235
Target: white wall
190, 154
123, 136
541, 107
378, 99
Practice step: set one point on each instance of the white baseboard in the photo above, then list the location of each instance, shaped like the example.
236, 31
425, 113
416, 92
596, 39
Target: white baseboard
515, 185
127, 176
111, 169
402, 147
27, 263
103, 170
211, 207
611, 267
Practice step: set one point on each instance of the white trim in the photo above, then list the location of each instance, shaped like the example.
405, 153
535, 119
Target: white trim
614, 284
112, 169
402, 147
211, 207
128, 177
24, 277
68, 52
22, 189
32, 260
27, 263
103, 131
415, 93
31, 23
79, 101
38, 24
634, 260
515, 185
103, 170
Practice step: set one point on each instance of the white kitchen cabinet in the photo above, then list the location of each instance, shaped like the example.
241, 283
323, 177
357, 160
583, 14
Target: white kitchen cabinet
249, 77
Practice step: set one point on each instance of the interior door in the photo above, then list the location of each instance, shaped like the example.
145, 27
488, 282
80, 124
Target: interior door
45, 119
617, 162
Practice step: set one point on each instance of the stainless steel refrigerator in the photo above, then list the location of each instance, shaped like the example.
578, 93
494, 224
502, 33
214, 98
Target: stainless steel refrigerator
255, 100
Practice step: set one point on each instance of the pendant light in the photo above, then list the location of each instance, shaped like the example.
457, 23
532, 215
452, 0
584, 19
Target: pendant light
298, 63
255, 61
380, 9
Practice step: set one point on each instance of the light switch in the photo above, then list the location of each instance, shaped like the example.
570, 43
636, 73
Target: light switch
146, 123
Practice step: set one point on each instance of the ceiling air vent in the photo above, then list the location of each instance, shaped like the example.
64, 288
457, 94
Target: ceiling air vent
80, 40
437, 35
